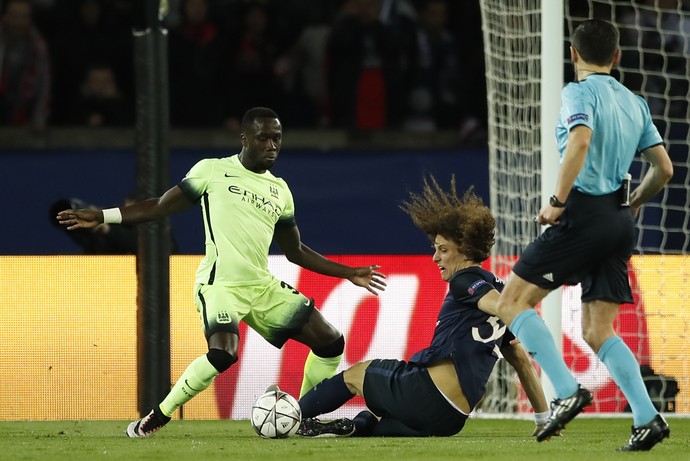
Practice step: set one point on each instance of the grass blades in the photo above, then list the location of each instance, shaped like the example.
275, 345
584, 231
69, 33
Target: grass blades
482, 439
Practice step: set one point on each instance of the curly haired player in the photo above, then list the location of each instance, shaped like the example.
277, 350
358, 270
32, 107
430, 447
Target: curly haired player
432, 393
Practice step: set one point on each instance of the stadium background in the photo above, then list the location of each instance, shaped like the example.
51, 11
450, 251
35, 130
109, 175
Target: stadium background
69, 321
79, 312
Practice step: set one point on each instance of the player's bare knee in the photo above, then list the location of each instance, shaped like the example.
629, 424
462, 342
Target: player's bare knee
220, 359
333, 349
505, 309
501, 307
594, 338
354, 377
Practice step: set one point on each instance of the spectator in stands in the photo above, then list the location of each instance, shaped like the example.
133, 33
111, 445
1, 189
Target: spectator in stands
464, 19
301, 73
197, 76
252, 65
432, 99
90, 32
363, 69
24, 69
100, 102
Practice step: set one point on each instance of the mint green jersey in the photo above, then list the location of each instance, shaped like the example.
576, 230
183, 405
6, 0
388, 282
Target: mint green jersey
240, 211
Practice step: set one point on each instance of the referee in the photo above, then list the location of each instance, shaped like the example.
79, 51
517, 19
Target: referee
601, 126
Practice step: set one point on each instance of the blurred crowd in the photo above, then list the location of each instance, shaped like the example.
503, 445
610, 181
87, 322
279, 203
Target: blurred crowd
354, 64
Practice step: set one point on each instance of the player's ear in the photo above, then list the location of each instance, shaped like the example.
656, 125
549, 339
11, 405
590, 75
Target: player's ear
574, 56
616, 58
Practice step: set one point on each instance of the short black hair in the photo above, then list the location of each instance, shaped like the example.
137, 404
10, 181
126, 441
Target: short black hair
596, 41
256, 112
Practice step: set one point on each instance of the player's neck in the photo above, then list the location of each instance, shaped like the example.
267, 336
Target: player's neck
469, 263
584, 70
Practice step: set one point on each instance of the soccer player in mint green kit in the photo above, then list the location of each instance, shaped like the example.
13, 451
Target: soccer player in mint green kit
244, 209
592, 235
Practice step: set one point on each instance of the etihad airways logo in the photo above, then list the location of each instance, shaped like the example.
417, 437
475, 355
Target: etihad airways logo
261, 203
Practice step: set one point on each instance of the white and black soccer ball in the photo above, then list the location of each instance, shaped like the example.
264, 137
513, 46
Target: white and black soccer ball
276, 415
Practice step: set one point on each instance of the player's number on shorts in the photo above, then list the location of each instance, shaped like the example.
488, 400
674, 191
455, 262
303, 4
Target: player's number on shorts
285, 285
497, 331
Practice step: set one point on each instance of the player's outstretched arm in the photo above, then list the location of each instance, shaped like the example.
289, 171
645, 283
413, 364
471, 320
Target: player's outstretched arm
518, 358
172, 201
288, 239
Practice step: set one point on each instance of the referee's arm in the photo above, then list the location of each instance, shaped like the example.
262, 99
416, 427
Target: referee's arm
656, 178
579, 139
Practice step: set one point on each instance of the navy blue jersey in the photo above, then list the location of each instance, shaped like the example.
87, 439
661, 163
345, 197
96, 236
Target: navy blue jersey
466, 334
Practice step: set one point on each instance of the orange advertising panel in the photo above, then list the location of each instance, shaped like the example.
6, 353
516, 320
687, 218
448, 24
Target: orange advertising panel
68, 337
69, 332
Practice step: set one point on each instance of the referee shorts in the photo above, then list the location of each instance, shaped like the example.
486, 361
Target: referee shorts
408, 402
591, 245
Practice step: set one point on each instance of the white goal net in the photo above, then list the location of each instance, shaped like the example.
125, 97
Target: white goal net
655, 45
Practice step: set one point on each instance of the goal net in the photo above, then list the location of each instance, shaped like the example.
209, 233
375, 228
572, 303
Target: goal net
655, 44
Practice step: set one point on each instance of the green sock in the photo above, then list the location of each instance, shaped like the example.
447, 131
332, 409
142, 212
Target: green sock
316, 369
197, 377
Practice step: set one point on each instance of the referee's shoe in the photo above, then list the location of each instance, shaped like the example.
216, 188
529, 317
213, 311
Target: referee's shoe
644, 437
563, 411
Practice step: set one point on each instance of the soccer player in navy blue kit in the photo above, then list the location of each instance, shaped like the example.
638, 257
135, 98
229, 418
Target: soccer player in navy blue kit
602, 125
433, 393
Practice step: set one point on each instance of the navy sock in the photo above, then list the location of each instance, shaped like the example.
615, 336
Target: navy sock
330, 394
365, 421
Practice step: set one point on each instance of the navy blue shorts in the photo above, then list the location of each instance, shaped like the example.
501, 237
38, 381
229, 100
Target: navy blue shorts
591, 245
408, 402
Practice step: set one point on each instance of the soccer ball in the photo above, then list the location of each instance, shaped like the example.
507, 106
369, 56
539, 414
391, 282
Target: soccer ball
276, 414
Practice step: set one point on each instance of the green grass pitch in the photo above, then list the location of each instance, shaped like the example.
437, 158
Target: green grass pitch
482, 439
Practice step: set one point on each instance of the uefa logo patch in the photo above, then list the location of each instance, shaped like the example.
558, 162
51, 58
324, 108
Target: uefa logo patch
476, 285
575, 117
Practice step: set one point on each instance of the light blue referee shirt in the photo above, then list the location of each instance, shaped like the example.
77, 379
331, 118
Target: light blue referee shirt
621, 126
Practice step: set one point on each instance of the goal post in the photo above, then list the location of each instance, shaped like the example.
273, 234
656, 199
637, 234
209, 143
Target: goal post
526, 67
551, 82
513, 40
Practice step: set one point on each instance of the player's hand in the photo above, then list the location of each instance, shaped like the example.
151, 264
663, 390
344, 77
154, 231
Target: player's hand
370, 278
549, 215
80, 219
635, 210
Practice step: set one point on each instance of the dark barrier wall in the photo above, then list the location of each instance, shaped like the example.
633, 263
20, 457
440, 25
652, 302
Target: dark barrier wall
346, 201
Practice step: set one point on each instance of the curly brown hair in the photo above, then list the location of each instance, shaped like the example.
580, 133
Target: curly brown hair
465, 221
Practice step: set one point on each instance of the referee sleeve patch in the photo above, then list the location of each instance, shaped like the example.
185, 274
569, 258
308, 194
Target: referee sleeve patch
576, 117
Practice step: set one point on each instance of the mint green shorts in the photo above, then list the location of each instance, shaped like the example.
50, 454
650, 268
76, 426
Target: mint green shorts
274, 310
